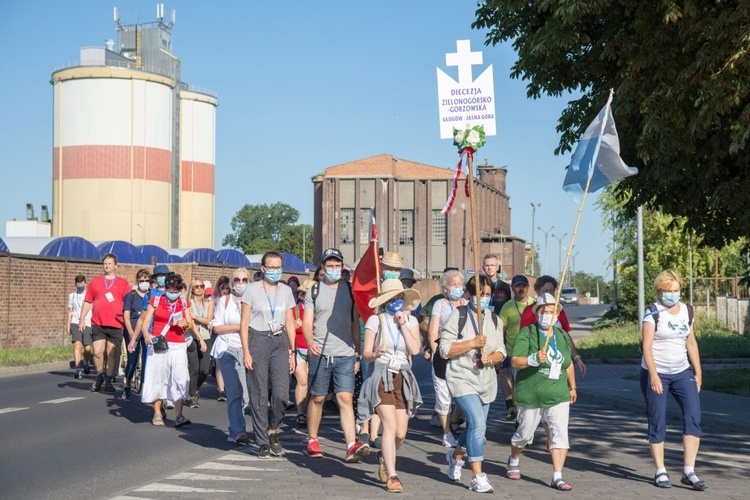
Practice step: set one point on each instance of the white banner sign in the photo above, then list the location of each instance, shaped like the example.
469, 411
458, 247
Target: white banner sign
467, 102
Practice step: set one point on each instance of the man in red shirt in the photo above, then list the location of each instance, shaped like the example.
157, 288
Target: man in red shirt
105, 297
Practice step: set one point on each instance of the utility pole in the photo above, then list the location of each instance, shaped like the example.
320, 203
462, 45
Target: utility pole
534, 206
546, 254
573, 273
559, 253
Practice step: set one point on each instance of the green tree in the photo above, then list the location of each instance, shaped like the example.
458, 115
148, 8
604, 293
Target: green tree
297, 239
259, 228
681, 75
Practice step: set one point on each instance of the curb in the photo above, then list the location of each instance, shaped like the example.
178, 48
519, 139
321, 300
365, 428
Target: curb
11, 371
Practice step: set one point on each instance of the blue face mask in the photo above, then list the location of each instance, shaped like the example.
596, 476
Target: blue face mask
161, 281
80, 288
172, 296
456, 293
390, 275
394, 306
333, 275
273, 275
484, 302
670, 298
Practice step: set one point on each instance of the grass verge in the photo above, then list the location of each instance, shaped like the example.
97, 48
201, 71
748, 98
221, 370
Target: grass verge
23, 356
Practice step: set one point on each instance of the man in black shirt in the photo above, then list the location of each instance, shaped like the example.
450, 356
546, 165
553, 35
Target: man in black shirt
500, 289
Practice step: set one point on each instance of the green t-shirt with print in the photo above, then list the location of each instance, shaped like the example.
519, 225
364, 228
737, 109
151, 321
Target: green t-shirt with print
511, 316
534, 388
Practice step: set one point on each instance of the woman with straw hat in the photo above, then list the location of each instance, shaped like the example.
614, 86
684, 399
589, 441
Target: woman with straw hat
392, 391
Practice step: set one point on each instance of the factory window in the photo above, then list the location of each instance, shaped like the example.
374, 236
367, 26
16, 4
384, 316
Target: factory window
438, 228
347, 226
406, 227
364, 227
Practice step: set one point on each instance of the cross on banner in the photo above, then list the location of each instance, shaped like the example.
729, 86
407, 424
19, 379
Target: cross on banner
464, 59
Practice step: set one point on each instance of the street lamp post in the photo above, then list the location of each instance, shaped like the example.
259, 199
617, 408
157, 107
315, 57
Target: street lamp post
534, 206
546, 254
573, 272
559, 252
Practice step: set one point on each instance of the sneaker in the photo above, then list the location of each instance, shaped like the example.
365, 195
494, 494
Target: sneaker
435, 420
194, 402
108, 387
454, 466
126, 392
693, 481
365, 438
357, 452
181, 421
169, 405
313, 448
276, 448
449, 441
240, 438
86, 368
393, 485
222, 397
382, 470
375, 443
480, 484
264, 451
78, 374
97, 385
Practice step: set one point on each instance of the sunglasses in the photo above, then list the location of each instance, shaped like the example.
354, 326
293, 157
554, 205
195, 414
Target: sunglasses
199, 286
243, 280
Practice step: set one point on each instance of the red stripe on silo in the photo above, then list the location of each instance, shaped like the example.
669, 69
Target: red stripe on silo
112, 162
197, 177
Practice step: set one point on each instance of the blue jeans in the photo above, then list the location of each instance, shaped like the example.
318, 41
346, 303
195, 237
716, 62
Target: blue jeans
472, 438
233, 371
140, 348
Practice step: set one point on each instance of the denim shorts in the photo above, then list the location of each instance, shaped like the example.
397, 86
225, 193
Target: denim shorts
322, 368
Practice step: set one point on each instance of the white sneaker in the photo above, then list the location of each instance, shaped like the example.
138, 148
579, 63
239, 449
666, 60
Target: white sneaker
454, 466
480, 484
449, 441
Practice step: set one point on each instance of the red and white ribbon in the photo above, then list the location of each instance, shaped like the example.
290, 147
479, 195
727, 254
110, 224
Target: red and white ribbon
456, 179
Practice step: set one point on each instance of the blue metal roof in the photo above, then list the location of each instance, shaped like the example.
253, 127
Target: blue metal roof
3, 246
72, 247
232, 257
161, 255
127, 253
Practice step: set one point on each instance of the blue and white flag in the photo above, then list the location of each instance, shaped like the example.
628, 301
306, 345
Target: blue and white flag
597, 157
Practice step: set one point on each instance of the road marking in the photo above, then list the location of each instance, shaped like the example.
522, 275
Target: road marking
227, 467
61, 400
176, 488
242, 457
11, 410
125, 497
194, 476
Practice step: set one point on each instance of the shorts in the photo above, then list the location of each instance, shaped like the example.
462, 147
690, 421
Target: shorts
108, 333
80, 336
395, 398
323, 369
556, 417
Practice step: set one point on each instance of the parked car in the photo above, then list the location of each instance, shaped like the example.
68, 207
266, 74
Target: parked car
569, 296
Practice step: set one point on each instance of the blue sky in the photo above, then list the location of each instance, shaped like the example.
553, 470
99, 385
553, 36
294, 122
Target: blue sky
302, 86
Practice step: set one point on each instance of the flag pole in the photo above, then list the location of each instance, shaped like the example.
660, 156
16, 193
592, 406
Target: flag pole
474, 235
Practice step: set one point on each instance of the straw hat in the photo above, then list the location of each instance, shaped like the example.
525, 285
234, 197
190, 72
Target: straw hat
392, 259
545, 299
392, 287
305, 286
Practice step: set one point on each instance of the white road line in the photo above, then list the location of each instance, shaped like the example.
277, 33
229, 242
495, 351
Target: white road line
242, 457
176, 488
125, 497
61, 400
194, 476
11, 410
228, 467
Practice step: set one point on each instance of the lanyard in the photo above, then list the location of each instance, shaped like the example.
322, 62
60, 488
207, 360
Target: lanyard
553, 341
200, 310
268, 297
108, 283
394, 338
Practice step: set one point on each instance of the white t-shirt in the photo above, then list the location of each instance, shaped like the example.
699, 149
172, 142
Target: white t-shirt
443, 308
670, 339
75, 303
227, 312
395, 343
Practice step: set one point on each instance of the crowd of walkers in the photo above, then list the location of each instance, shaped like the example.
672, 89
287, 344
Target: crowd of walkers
483, 337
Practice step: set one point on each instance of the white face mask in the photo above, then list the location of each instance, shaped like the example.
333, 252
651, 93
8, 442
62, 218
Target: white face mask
239, 288
143, 286
546, 320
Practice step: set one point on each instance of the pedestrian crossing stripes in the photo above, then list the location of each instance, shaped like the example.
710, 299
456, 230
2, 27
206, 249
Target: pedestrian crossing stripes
11, 410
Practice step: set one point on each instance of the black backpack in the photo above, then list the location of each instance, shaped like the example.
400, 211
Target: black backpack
438, 362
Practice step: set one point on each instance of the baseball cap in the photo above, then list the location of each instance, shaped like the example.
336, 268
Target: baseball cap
519, 279
160, 269
332, 253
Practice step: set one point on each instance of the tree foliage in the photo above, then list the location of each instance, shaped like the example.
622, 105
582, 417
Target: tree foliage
262, 228
681, 75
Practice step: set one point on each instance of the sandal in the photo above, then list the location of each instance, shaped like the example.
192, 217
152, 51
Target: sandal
514, 473
301, 421
561, 485
661, 480
157, 420
693, 481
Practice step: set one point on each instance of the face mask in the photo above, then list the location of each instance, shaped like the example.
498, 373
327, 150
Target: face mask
333, 275
273, 275
484, 302
456, 293
670, 298
389, 275
80, 289
546, 321
143, 286
395, 306
172, 296
161, 281
239, 288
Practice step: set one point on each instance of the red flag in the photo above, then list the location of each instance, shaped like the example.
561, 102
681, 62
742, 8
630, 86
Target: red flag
366, 278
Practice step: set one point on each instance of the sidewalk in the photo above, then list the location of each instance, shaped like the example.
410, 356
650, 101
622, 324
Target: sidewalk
605, 383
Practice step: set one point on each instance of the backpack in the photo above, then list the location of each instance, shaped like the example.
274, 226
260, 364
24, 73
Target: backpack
653, 311
315, 290
439, 363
